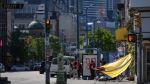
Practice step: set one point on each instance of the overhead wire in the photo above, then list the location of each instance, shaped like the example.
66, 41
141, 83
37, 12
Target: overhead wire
58, 7
64, 3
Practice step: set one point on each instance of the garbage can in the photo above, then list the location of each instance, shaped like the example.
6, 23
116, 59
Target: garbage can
61, 78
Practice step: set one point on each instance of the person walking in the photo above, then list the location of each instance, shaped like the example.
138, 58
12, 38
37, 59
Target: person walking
79, 68
74, 69
92, 66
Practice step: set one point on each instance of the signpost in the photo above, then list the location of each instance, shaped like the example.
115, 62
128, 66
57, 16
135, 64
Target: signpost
12, 6
47, 49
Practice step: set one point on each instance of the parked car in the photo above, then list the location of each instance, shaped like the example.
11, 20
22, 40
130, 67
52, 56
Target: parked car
42, 68
19, 68
2, 68
36, 66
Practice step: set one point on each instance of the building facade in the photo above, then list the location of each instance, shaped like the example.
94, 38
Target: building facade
111, 9
3, 34
94, 10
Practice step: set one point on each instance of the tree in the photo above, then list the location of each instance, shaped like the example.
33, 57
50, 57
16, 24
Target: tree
16, 46
54, 44
131, 46
35, 50
38, 46
104, 39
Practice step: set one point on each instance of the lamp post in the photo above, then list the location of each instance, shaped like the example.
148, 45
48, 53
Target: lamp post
78, 47
87, 28
86, 32
94, 33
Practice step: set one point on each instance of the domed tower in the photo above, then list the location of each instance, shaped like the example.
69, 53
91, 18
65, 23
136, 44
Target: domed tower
36, 29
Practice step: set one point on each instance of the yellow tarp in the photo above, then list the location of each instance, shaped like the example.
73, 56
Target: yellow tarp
116, 68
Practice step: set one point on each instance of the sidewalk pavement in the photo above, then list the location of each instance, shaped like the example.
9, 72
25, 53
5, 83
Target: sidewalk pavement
75, 81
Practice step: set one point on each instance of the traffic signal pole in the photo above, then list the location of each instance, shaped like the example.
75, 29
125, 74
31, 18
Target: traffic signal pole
78, 45
139, 69
140, 55
47, 52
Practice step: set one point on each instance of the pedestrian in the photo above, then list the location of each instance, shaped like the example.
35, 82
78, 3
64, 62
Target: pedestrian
79, 68
102, 62
92, 66
74, 69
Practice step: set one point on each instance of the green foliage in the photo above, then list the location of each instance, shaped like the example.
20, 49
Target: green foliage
16, 45
33, 51
54, 44
131, 46
103, 39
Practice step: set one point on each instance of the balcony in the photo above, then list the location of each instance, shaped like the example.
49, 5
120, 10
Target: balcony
120, 4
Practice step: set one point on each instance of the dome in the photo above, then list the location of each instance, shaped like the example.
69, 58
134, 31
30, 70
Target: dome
35, 24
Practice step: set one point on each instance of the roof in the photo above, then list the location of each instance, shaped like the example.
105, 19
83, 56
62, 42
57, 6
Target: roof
35, 24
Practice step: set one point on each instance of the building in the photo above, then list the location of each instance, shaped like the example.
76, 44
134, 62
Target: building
35, 28
93, 11
143, 60
111, 9
67, 32
22, 17
3, 34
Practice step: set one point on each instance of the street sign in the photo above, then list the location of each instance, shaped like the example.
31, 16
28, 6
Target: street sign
47, 40
47, 54
12, 6
62, 43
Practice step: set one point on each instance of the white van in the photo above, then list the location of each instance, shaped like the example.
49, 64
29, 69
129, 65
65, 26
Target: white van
67, 66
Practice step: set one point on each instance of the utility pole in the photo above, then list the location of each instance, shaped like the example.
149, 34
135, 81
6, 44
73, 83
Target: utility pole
94, 34
139, 25
47, 49
78, 47
86, 32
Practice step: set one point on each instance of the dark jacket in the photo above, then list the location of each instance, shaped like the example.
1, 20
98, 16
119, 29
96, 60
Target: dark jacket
92, 66
74, 65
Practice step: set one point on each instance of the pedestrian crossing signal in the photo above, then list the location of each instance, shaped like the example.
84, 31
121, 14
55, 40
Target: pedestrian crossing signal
132, 38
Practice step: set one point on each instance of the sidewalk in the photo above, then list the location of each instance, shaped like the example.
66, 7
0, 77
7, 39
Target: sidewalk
75, 81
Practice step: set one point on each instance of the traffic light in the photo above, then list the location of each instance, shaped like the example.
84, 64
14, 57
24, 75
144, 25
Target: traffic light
132, 38
27, 40
47, 26
138, 20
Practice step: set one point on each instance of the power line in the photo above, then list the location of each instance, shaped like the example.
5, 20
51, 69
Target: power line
64, 3
58, 6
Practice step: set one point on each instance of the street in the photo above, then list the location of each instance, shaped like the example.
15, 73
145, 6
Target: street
33, 77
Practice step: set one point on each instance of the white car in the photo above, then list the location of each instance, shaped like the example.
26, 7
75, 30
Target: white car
19, 68
2, 68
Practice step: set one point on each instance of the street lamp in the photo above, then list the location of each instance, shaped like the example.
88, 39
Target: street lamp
77, 14
87, 28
